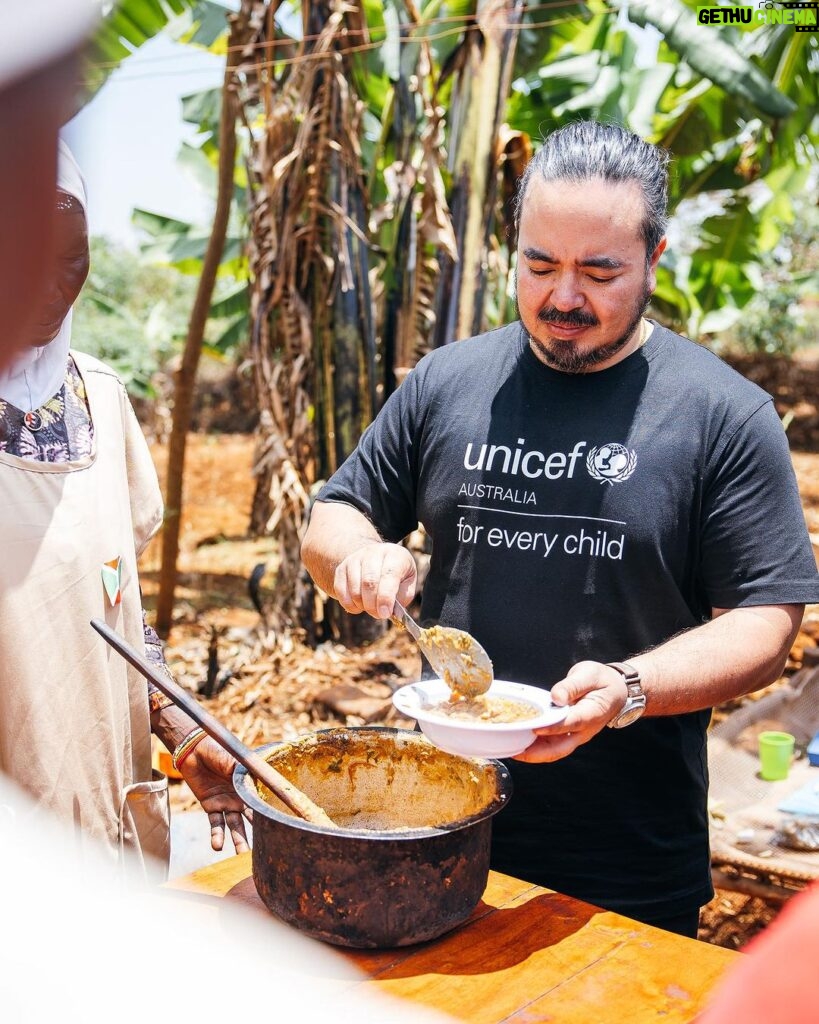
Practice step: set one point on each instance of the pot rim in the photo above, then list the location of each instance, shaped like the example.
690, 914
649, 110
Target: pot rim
246, 789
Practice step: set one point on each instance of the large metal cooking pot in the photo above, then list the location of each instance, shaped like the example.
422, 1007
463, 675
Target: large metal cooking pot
410, 859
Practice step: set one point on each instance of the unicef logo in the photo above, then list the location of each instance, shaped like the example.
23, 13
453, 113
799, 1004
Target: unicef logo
611, 462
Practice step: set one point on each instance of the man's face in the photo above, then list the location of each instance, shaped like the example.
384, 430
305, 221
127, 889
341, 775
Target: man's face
69, 271
583, 282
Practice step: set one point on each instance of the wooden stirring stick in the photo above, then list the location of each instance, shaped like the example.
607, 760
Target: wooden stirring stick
256, 766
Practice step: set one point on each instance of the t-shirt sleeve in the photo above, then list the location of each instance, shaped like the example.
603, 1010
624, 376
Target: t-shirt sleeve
755, 546
379, 478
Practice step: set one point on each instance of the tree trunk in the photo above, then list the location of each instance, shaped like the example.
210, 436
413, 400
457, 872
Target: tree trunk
185, 378
482, 92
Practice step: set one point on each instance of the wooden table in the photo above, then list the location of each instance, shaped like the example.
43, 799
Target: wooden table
526, 954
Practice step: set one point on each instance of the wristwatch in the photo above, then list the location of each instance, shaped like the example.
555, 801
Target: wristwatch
635, 701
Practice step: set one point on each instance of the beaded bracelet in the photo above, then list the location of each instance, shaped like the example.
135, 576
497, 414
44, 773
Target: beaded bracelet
186, 746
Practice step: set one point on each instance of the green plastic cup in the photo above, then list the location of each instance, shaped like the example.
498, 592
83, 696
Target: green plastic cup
775, 755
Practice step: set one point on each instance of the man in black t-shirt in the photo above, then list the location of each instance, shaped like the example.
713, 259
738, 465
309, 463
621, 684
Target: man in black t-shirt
613, 515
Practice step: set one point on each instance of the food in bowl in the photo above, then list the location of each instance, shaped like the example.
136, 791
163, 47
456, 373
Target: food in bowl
486, 709
471, 735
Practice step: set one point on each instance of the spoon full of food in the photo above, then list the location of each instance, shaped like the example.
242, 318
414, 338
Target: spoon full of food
453, 654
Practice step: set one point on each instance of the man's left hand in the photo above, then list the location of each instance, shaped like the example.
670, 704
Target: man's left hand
594, 694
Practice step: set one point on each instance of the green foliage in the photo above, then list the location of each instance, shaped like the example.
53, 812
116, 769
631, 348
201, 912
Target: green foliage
713, 55
771, 324
783, 315
131, 23
181, 246
131, 314
125, 28
735, 107
134, 310
204, 26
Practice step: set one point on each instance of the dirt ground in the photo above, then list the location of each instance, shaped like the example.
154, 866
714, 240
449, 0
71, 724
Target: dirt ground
267, 688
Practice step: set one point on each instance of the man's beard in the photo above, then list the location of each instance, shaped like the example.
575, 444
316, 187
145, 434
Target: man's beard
565, 355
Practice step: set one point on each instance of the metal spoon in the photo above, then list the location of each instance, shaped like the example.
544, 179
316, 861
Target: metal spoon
454, 655
256, 765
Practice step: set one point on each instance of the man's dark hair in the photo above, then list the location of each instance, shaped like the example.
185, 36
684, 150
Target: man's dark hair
584, 150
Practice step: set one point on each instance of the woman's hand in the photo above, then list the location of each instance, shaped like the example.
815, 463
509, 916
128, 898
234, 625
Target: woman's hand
208, 770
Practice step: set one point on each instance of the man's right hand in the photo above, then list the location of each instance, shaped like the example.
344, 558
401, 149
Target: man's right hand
372, 577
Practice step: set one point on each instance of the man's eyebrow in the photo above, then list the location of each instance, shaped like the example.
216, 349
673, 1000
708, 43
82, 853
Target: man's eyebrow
603, 263
599, 262
539, 255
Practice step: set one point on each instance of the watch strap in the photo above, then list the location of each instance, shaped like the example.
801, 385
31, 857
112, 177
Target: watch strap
627, 671
635, 704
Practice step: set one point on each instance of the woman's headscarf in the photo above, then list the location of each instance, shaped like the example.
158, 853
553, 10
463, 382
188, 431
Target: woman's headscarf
37, 374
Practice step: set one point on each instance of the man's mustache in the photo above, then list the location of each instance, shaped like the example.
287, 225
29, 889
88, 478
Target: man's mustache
567, 317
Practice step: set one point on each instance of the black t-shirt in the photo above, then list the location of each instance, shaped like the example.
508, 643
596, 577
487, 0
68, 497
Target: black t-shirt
590, 516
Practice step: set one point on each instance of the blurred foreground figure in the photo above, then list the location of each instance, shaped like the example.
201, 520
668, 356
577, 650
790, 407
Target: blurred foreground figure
38, 68
776, 981
85, 949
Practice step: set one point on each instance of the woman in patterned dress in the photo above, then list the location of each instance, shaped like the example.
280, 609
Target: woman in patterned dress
79, 501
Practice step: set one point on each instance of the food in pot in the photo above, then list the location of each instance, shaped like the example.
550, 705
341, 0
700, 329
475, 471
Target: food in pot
485, 709
372, 822
366, 779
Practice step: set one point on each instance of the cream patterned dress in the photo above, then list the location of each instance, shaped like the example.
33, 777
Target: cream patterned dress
74, 722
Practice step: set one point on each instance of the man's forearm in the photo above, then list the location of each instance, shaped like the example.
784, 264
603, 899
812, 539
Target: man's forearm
738, 651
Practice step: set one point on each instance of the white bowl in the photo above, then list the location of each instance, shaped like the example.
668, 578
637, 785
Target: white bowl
477, 738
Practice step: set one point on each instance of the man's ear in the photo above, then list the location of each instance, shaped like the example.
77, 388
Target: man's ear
655, 256
652, 263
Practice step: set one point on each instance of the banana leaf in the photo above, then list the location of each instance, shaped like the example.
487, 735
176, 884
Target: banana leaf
126, 27
706, 50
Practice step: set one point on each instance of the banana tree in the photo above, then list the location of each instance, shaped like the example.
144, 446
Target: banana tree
374, 165
185, 377
735, 108
477, 111
127, 26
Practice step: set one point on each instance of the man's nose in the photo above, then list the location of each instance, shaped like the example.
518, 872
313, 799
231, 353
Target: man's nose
566, 294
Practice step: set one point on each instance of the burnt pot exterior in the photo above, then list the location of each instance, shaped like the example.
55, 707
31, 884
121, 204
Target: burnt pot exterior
375, 888
370, 893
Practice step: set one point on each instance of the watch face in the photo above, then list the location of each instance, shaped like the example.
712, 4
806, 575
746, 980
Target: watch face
629, 715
